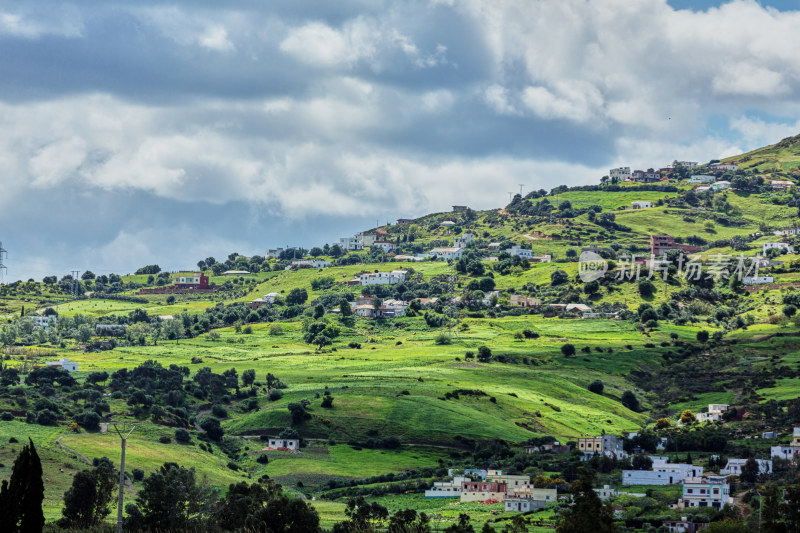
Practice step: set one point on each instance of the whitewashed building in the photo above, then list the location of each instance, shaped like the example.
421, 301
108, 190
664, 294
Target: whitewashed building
757, 280
706, 491
620, 173
289, 444
734, 467
661, 474
641, 204
351, 243
779, 245
519, 251
702, 178
447, 253
383, 278
461, 241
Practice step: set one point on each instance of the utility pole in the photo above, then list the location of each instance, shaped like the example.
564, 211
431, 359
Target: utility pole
521, 185
123, 440
3, 269
75, 282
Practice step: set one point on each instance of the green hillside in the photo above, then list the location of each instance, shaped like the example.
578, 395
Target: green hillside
435, 388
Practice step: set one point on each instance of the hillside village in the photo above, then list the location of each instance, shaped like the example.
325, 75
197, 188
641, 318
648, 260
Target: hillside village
465, 364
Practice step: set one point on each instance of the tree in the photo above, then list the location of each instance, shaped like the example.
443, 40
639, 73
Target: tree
86, 502
22, 495
629, 400
596, 386
641, 462
789, 310
588, 512
174, 330
558, 277
88, 275
750, 471
262, 507
462, 526
248, 377
327, 402
316, 251
345, 309
688, 417
298, 412
297, 297
212, 428
646, 288
171, 500
702, 336
484, 354
663, 423
568, 350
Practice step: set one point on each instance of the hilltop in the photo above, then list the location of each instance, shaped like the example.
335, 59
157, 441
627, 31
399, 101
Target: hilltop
483, 357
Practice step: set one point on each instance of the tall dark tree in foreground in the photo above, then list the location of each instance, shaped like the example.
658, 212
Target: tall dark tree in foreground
263, 507
588, 512
171, 500
86, 502
21, 497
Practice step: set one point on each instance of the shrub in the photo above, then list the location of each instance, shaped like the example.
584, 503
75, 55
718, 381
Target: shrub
247, 330
630, 401
6, 417
275, 329
275, 394
138, 474
182, 436
442, 339
355, 345
164, 439
219, 411
528, 334
568, 350
596, 386
262, 459
327, 402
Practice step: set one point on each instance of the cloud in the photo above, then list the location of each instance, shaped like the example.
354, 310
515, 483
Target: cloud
271, 112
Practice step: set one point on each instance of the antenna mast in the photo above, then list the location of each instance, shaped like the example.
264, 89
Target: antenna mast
76, 284
3, 269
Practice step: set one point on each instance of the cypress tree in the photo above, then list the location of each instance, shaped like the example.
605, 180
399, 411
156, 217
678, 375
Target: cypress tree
21, 497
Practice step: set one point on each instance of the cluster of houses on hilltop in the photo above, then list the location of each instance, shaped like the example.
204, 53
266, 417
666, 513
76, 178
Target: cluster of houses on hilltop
652, 175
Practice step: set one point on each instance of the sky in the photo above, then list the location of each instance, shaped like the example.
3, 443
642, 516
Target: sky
134, 133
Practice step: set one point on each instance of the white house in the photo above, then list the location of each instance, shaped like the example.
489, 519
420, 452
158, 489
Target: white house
40, 321
757, 280
641, 204
447, 253
289, 444
461, 241
620, 173
714, 413
310, 263
351, 243
720, 185
734, 467
519, 251
781, 185
386, 246
273, 253
270, 298
724, 166
787, 232
787, 453
607, 492
64, 363
706, 491
366, 239
523, 504
779, 245
686, 164
392, 308
383, 278
661, 474
447, 489
702, 178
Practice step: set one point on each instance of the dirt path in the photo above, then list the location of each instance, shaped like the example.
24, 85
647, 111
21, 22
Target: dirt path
70, 450
739, 504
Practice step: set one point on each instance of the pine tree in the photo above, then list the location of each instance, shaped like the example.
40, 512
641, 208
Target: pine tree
21, 497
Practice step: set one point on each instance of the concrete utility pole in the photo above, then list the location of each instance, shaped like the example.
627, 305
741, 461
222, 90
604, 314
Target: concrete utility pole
123, 440
3, 269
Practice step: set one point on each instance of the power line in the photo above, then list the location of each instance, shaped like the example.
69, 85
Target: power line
76, 284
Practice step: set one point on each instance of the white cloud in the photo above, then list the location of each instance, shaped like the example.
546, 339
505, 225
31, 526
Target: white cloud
63, 21
216, 38
360, 39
